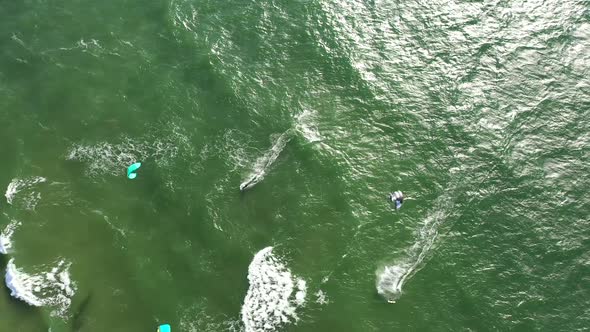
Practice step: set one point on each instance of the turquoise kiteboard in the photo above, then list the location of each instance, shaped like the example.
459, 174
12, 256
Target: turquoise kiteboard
131, 170
164, 328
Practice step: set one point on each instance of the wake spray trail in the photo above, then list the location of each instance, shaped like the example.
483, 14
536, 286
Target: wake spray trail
391, 278
264, 163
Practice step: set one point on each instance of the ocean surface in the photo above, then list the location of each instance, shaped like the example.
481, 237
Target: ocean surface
479, 111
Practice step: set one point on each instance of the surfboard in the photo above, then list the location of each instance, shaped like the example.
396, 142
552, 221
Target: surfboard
164, 328
131, 170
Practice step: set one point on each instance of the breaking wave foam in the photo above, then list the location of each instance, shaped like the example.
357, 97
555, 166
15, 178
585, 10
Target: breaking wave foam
265, 162
27, 197
52, 288
274, 294
6, 235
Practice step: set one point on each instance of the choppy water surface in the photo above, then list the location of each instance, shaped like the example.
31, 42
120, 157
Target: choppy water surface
270, 134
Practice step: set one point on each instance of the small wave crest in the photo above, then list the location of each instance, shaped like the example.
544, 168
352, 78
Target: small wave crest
6, 236
52, 288
24, 187
274, 294
264, 163
306, 126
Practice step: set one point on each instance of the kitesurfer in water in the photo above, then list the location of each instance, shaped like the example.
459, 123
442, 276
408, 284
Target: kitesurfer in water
397, 198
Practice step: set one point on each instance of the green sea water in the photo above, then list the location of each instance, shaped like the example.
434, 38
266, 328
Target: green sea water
477, 110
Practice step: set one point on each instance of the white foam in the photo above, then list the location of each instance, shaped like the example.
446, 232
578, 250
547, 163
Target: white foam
53, 288
273, 296
301, 292
6, 236
28, 197
321, 297
264, 163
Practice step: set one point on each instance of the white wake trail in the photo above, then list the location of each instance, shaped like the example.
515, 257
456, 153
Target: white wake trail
264, 163
391, 278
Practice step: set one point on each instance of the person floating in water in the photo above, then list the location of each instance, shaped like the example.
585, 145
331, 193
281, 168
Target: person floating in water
397, 198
